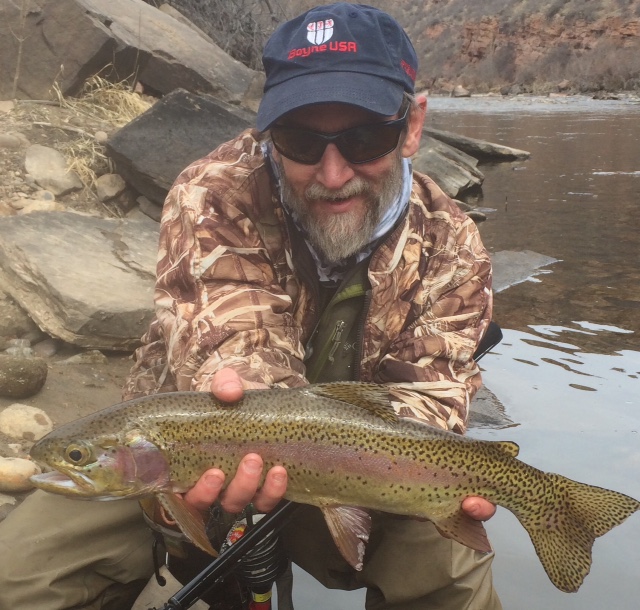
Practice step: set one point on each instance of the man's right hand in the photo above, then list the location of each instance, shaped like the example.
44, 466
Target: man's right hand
244, 488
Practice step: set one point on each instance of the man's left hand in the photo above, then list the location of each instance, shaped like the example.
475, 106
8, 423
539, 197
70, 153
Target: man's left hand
243, 489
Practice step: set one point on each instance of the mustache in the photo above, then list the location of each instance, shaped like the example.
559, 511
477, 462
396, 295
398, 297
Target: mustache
356, 186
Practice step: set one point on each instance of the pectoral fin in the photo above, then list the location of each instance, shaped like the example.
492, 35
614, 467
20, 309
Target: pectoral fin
350, 527
189, 520
465, 530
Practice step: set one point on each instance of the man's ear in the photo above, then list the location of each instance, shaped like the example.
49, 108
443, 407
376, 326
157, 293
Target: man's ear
414, 127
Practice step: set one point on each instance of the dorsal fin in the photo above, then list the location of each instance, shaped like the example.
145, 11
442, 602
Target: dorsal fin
370, 396
508, 447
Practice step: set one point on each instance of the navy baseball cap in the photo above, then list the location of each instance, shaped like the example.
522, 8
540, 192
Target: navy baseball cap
349, 53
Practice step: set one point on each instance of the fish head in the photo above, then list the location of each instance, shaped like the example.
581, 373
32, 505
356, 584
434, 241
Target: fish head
105, 467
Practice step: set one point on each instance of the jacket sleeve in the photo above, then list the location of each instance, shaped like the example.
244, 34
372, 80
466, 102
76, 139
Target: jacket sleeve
219, 301
443, 295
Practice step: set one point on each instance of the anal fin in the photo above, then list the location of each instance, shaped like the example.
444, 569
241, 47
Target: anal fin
465, 530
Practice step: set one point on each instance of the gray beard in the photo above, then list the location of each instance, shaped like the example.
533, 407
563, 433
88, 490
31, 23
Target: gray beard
336, 237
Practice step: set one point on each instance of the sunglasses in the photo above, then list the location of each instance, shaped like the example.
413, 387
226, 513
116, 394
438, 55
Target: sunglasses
357, 145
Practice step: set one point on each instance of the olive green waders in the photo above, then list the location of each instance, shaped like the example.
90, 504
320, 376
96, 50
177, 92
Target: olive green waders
57, 553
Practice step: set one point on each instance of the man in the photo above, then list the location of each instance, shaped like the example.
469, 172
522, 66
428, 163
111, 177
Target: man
303, 251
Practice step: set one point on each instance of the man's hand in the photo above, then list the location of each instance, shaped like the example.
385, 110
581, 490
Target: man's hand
478, 508
244, 487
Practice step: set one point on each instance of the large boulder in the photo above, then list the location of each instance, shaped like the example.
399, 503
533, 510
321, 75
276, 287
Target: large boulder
67, 41
86, 280
155, 147
479, 149
451, 169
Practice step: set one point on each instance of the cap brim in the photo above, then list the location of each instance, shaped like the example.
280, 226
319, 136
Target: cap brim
364, 90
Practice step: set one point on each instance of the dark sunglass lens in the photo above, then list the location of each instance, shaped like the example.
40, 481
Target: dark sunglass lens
369, 142
298, 145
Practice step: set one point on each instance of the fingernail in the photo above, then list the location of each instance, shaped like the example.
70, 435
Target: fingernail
253, 466
230, 385
279, 478
213, 481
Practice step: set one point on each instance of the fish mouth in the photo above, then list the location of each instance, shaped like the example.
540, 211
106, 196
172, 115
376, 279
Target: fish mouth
56, 482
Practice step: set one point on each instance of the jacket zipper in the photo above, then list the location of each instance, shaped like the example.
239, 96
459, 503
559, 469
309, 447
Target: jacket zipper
357, 359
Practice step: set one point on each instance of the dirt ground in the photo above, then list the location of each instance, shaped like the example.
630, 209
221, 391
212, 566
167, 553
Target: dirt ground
74, 390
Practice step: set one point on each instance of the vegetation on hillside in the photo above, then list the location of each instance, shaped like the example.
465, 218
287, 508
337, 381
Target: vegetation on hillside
531, 45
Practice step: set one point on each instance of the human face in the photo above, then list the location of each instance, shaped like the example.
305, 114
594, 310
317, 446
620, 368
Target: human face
339, 204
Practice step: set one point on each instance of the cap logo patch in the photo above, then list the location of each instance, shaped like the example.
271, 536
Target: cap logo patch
318, 32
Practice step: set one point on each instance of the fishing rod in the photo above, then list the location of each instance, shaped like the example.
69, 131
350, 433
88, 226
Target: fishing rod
227, 560
271, 523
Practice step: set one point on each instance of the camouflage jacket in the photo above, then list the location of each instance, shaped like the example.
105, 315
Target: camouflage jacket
228, 293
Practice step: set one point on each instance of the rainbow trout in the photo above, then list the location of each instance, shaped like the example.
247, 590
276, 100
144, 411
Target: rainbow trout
345, 451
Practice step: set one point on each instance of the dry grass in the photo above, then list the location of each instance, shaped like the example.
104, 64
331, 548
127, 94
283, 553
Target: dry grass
102, 102
87, 158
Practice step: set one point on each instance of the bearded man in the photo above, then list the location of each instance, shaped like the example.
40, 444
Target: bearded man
306, 250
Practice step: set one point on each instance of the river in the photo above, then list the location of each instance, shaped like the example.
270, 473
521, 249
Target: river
568, 369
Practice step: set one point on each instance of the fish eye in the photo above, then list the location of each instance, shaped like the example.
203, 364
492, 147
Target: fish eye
78, 454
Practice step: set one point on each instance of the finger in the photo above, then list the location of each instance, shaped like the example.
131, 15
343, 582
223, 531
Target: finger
478, 508
226, 385
206, 490
272, 491
244, 485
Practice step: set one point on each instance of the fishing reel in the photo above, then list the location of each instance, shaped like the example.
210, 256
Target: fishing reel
258, 569
241, 578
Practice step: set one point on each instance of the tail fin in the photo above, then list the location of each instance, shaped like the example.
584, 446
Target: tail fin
573, 516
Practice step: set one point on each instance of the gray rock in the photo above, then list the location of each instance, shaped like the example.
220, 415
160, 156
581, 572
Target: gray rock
15, 473
44, 195
48, 167
511, 268
46, 348
460, 91
155, 147
150, 209
128, 36
176, 14
21, 377
7, 504
14, 321
479, 149
109, 186
10, 141
452, 170
19, 351
101, 136
25, 422
29, 206
93, 356
88, 281
486, 411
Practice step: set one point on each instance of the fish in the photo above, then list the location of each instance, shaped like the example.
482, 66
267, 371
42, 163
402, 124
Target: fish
346, 451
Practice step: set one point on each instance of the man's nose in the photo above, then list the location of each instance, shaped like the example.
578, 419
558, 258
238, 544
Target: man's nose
334, 171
